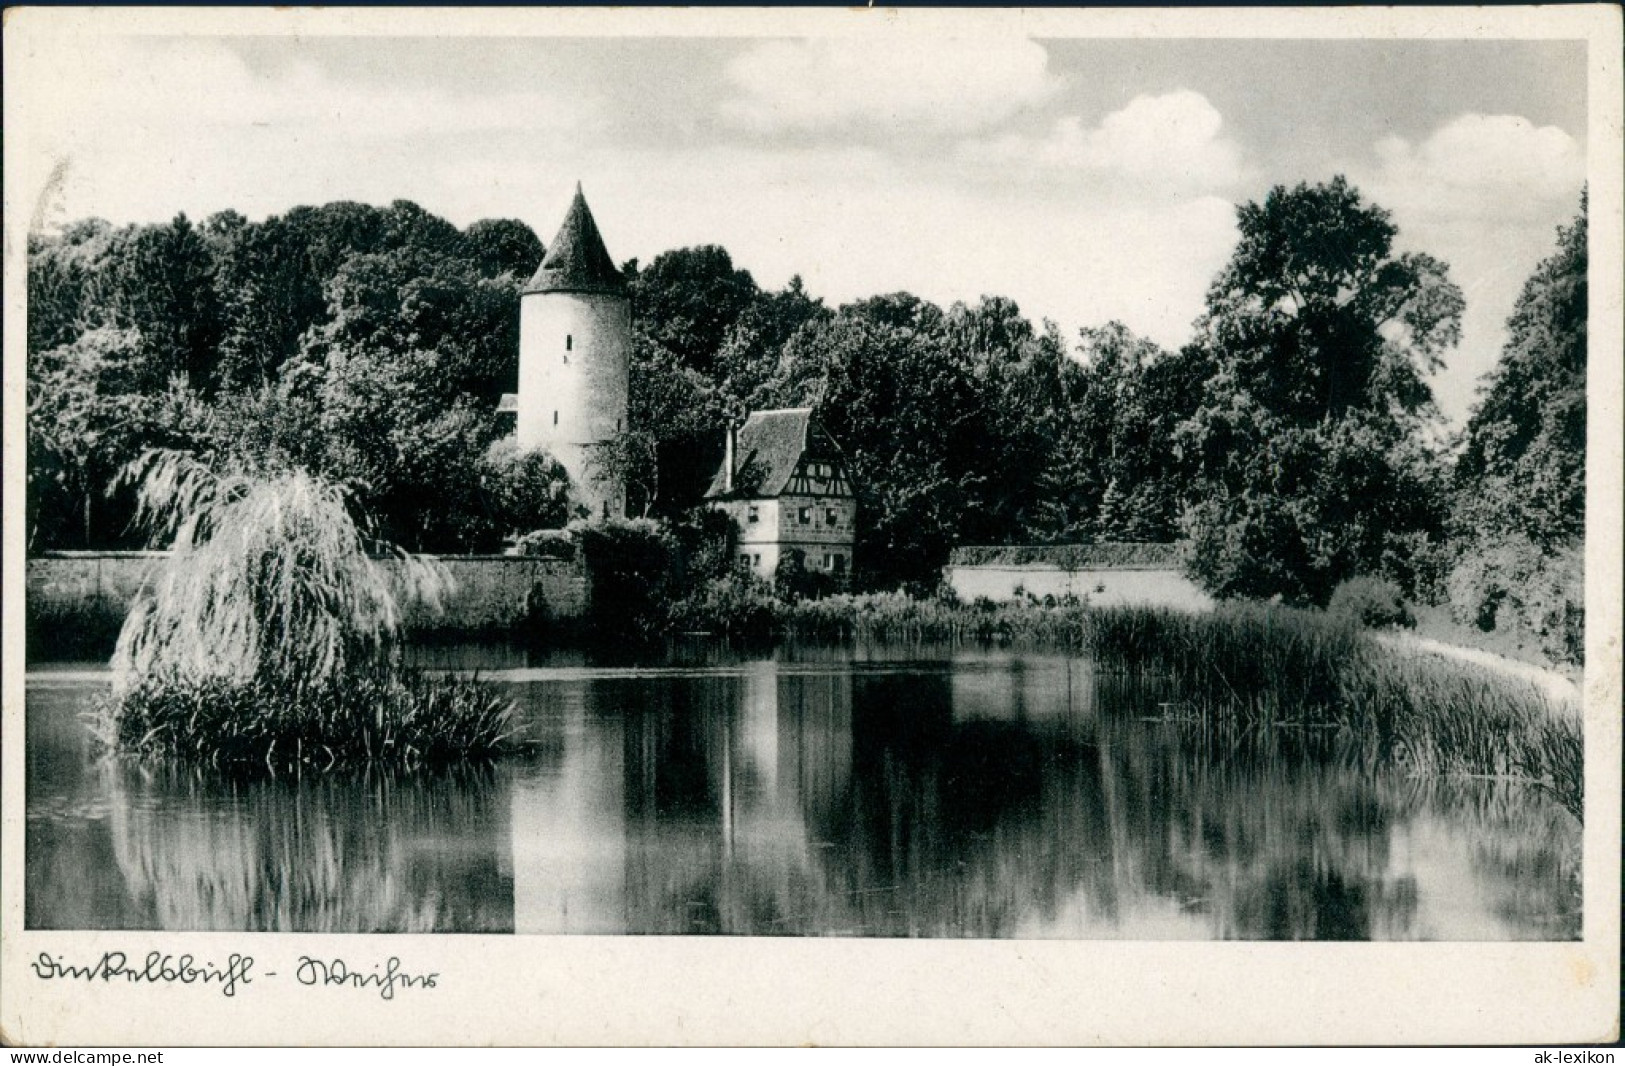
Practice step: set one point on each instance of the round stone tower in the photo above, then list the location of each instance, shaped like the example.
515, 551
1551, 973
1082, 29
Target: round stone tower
575, 337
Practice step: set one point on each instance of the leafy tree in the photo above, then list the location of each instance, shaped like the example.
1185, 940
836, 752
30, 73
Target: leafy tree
495, 246
161, 283
406, 300
406, 225
1519, 514
61, 270
525, 491
270, 296
1109, 473
1315, 506
632, 460
1523, 467
1315, 315
91, 408
156, 281
748, 363
1308, 448
675, 430
911, 413
387, 423
688, 300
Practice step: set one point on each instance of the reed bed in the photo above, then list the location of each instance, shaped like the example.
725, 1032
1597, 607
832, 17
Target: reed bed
1251, 668
397, 719
1269, 668
896, 616
1439, 718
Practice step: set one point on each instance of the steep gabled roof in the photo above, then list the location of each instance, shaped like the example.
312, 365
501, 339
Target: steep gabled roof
767, 451
577, 260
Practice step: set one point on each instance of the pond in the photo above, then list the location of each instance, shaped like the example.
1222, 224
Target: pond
837, 792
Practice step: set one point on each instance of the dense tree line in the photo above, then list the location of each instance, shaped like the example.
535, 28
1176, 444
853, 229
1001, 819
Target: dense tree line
1518, 521
1292, 442
366, 344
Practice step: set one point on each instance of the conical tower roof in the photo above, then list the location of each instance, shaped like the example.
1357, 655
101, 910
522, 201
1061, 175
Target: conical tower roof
577, 260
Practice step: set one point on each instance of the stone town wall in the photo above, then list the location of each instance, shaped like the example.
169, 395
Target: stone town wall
487, 591
1099, 586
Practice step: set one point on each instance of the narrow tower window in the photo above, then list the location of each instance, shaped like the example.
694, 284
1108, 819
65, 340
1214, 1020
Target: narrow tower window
555, 418
617, 425
569, 342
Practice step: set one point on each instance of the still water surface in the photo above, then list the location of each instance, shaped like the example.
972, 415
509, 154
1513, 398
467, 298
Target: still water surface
815, 792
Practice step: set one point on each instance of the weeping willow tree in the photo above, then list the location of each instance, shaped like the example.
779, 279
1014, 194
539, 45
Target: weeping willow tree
268, 578
267, 634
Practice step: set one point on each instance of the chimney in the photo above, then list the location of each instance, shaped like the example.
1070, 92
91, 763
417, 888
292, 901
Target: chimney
728, 458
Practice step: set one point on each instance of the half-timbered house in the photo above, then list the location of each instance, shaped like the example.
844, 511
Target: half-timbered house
788, 489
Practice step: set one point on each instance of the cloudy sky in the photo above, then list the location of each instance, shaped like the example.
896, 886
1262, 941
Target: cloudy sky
1088, 180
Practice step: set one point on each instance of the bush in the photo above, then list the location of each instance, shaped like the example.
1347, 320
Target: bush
1420, 564
523, 489
546, 544
633, 563
793, 581
738, 605
707, 545
1373, 602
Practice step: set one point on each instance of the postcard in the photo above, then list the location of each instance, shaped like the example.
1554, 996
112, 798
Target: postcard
809, 526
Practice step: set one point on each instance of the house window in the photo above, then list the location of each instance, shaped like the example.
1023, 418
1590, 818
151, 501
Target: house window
831, 518
754, 515
569, 344
757, 559
840, 564
744, 558
805, 515
829, 561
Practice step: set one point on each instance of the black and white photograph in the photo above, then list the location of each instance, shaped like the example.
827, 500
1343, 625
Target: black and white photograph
552, 485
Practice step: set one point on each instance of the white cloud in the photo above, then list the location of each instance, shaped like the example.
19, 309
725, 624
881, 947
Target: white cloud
1484, 193
1488, 167
147, 127
941, 85
204, 81
1173, 140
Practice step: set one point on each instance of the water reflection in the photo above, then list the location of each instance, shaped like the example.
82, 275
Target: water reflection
830, 793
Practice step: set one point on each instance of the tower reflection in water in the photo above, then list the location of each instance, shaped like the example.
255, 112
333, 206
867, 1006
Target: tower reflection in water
974, 794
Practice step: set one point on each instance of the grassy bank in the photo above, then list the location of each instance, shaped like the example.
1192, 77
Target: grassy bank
1436, 623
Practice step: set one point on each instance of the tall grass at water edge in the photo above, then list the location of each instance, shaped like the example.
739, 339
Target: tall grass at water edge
1266, 667
1257, 667
403, 720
